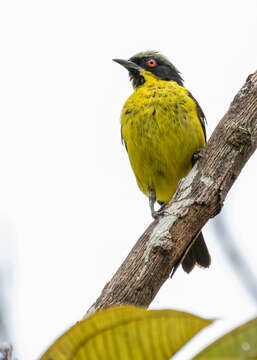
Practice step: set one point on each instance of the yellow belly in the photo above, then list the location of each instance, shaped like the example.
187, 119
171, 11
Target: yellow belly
161, 130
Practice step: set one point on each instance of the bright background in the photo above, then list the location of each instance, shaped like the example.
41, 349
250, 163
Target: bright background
70, 209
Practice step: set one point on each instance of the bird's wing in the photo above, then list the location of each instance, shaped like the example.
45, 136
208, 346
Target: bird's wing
200, 114
122, 139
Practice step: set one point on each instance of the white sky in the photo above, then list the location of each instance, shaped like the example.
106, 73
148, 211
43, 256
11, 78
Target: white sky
70, 209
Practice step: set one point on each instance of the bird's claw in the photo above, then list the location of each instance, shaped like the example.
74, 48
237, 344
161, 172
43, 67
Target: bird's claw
159, 212
197, 156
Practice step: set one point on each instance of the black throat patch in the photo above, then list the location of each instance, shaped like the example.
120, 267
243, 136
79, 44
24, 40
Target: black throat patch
136, 78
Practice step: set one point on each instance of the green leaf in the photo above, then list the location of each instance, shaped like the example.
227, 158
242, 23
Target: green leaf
127, 333
239, 344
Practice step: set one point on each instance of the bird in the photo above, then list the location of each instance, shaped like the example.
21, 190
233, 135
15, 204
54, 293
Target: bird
162, 128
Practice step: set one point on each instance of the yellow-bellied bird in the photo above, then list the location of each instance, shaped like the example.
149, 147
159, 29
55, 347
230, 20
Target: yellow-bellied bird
162, 126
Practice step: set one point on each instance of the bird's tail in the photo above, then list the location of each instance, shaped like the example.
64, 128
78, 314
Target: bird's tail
197, 255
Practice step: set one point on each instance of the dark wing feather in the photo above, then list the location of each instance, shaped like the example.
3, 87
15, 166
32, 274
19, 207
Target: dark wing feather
122, 140
200, 113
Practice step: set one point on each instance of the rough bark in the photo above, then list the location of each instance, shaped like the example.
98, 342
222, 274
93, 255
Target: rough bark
199, 197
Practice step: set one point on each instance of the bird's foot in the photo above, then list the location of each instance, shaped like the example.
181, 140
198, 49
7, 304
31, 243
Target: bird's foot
152, 200
159, 212
197, 156
156, 213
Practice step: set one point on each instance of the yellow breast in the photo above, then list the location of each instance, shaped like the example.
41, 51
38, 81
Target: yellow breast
161, 130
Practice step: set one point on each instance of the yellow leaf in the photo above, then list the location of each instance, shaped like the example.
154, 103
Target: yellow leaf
126, 333
239, 344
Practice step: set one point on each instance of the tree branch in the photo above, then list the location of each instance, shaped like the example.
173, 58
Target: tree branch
199, 197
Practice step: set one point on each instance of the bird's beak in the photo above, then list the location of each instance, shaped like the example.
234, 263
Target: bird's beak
129, 65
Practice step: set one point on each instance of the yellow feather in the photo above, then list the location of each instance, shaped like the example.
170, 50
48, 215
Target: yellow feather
162, 130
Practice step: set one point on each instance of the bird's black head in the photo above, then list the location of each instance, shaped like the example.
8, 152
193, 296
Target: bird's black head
153, 62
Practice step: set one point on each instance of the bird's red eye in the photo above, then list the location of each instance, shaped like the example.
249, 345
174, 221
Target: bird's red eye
151, 62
